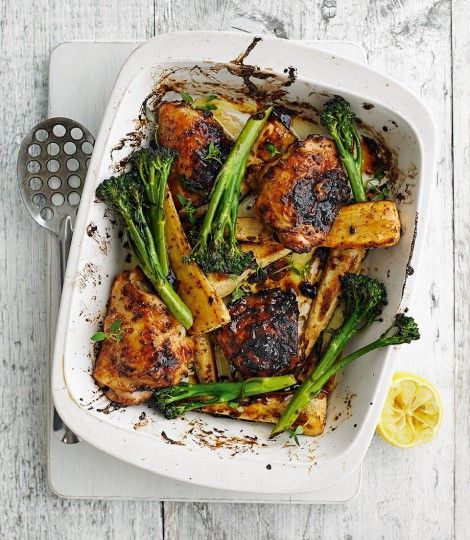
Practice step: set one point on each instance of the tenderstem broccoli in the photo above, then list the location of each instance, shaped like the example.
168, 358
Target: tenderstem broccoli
153, 169
364, 298
217, 249
177, 400
338, 118
124, 194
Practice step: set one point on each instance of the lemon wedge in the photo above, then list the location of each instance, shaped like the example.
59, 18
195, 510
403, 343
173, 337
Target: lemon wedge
412, 412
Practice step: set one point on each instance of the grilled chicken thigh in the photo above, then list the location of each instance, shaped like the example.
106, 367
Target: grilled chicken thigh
302, 193
153, 350
262, 337
273, 141
202, 147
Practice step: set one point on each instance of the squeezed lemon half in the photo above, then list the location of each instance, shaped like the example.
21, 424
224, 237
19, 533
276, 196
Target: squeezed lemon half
412, 412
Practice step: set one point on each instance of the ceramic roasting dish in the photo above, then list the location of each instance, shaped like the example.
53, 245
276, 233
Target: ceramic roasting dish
212, 451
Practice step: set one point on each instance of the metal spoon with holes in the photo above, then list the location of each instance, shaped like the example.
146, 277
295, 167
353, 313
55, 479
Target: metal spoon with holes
52, 164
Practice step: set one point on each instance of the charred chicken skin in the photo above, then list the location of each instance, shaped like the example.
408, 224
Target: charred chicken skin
262, 337
302, 193
202, 147
152, 350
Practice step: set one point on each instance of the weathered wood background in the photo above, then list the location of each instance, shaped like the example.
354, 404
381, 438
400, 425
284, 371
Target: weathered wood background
419, 493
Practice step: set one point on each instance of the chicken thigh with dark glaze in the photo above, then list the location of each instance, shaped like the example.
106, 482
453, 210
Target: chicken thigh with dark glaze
262, 338
202, 147
302, 192
153, 350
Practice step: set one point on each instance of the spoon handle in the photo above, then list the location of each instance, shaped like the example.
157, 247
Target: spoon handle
65, 239
63, 433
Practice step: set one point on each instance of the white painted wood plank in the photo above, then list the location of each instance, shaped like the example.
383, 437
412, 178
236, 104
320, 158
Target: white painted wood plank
403, 492
461, 156
28, 33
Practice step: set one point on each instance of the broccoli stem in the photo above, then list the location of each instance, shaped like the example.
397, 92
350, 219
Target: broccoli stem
340, 121
124, 195
167, 399
154, 168
144, 248
157, 220
304, 393
156, 195
353, 166
213, 251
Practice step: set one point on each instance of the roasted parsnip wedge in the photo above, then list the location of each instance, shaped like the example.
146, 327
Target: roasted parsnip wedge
339, 262
264, 254
372, 224
269, 408
204, 359
252, 229
206, 305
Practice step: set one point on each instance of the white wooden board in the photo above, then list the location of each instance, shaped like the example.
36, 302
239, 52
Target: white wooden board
81, 471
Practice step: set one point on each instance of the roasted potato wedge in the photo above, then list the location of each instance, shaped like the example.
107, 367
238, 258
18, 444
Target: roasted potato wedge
206, 305
372, 224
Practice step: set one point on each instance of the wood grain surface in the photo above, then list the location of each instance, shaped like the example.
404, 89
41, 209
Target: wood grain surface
417, 493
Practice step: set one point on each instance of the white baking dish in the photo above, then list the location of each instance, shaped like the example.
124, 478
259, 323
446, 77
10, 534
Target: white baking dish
219, 452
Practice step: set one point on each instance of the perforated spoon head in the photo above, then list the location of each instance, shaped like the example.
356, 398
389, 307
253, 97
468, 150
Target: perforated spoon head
52, 164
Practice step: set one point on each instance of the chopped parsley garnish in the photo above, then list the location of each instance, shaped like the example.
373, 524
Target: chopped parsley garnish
294, 434
115, 333
272, 149
202, 104
213, 153
187, 208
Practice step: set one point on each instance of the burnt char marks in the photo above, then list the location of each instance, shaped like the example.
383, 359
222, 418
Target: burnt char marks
192, 132
372, 159
206, 167
302, 193
316, 200
262, 337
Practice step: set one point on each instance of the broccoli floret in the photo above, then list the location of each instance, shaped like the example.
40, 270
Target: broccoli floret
403, 330
216, 249
364, 299
124, 194
338, 118
153, 169
223, 256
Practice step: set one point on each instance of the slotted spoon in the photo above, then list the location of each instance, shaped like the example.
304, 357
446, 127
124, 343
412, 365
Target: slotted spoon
52, 164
